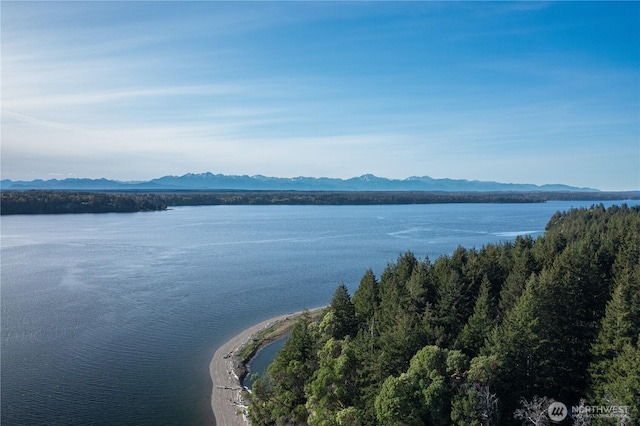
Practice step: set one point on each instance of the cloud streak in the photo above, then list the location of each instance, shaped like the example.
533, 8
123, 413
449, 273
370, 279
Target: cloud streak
135, 91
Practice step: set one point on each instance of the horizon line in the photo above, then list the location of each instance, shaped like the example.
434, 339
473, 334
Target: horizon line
62, 177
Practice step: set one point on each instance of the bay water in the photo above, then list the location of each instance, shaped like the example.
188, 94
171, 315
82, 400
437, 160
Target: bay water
112, 319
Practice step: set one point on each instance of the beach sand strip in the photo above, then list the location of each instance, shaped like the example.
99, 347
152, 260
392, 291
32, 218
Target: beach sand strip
226, 396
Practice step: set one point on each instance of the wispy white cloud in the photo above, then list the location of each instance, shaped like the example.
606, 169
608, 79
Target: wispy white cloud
137, 90
84, 98
11, 118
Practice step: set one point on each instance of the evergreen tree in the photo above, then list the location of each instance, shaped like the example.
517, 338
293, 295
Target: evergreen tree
621, 387
393, 288
292, 367
466, 407
369, 375
485, 263
261, 403
366, 300
378, 363
419, 289
450, 313
618, 334
515, 345
400, 341
521, 269
344, 314
570, 304
421, 396
480, 400
430, 368
399, 402
474, 333
628, 254
334, 385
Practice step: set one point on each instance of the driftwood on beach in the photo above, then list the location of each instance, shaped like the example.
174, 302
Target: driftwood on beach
228, 366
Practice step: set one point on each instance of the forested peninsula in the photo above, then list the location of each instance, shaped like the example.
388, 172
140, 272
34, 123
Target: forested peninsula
59, 201
483, 336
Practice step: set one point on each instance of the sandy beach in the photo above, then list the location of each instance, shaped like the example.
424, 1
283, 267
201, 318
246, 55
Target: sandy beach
226, 395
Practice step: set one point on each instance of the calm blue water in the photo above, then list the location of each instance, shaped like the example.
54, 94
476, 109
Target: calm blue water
261, 361
112, 319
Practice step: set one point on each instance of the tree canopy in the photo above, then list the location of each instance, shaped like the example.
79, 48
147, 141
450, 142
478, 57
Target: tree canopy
480, 337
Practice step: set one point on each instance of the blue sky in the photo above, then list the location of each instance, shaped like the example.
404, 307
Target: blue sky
508, 91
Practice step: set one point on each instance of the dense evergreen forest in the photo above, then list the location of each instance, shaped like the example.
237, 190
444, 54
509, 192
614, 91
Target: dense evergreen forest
57, 202
50, 202
481, 337
375, 197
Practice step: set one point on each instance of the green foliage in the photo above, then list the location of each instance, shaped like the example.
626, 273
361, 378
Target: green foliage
365, 299
621, 387
615, 370
351, 416
472, 337
55, 202
61, 201
399, 402
283, 400
344, 315
522, 266
515, 345
429, 368
483, 369
466, 408
334, 385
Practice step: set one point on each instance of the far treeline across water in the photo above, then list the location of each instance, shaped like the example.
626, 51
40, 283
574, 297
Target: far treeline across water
57, 202
481, 337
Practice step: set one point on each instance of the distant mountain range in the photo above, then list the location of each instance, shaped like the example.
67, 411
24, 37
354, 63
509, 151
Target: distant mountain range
209, 181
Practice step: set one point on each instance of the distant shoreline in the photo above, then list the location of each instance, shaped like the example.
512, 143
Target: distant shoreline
28, 202
228, 366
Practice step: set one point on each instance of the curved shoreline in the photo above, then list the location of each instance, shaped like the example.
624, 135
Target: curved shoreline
226, 393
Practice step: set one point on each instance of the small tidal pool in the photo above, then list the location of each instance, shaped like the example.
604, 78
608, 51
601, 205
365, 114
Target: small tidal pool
260, 363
